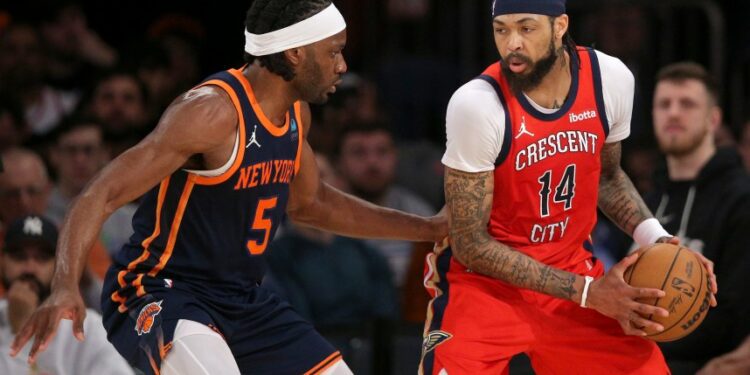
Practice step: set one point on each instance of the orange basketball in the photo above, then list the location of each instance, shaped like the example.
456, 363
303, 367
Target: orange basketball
678, 272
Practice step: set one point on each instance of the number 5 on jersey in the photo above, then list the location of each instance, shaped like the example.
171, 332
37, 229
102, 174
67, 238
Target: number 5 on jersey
564, 192
260, 222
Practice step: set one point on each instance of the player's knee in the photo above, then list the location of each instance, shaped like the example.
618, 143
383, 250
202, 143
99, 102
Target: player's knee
198, 350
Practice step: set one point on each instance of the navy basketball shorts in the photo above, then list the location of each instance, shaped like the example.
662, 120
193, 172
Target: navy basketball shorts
263, 332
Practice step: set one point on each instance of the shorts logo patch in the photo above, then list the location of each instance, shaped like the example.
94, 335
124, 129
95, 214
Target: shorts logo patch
146, 317
433, 339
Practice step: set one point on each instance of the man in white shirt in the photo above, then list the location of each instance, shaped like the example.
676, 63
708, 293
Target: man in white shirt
26, 265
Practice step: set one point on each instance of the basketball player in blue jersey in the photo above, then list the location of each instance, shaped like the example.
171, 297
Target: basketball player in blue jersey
227, 161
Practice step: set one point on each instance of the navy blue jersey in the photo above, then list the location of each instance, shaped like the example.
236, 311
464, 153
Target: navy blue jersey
208, 233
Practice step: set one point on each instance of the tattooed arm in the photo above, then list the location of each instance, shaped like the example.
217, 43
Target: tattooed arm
618, 198
469, 199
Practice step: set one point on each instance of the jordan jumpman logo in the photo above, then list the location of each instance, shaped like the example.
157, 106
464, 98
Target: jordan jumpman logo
522, 130
253, 139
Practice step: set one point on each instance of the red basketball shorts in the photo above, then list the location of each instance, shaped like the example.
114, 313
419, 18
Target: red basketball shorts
475, 324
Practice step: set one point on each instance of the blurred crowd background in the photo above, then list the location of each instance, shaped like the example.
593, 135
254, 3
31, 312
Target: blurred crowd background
81, 81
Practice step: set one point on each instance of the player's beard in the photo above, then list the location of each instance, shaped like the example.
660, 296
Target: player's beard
537, 71
310, 81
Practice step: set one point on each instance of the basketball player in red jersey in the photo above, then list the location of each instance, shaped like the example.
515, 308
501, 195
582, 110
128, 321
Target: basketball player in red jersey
532, 148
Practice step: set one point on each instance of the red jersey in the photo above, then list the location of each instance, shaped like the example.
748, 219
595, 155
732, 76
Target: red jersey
547, 173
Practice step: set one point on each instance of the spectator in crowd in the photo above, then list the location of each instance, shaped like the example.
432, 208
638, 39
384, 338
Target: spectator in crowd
169, 62
25, 190
13, 130
119, 101
703, 197
355, 101
366, 159
77, 154
308, 265
24, 186
27, 263
22, 66
74, 50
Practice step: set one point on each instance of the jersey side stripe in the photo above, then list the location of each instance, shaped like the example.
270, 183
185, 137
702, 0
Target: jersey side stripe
147, 242
298, 116
175, 226
116, 297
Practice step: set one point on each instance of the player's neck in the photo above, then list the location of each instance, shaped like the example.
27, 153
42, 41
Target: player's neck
273, 93
553, 90
687, 167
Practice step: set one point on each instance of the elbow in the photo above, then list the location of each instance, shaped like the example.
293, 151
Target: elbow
465, 245
303, 212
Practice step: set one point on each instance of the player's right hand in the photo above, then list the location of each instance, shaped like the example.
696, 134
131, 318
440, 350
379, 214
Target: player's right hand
613, 297
63, 303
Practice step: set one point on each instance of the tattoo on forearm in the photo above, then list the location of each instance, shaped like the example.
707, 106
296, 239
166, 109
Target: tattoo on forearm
469, 198
618, 198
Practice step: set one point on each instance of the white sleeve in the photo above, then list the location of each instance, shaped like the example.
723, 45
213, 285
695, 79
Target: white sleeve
618, 89
474, 125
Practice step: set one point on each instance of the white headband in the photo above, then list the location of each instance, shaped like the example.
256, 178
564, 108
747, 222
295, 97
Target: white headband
327, 22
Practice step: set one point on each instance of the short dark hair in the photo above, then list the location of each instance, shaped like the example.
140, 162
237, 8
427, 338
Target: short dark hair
683, 71
269, 15
359, 127
74, 122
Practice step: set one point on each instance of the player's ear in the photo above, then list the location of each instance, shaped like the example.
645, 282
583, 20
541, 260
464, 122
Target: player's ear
560, 26
295, 55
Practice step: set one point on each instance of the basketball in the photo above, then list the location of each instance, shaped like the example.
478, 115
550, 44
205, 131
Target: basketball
678, 272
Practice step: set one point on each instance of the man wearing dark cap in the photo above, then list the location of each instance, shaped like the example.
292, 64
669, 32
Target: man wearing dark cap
533, 146
26, 265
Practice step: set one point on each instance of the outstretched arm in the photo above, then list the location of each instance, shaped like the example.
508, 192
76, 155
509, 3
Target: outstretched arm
469, 199
202, 121
315, 203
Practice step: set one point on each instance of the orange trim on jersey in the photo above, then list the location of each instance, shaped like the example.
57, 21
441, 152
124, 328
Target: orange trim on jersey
298, 116
116, 297
138, 284
325, 364
145, 244
273, 129
175, 226
203, 180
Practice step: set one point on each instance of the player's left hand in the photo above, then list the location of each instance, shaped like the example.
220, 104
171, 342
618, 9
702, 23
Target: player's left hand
707, 264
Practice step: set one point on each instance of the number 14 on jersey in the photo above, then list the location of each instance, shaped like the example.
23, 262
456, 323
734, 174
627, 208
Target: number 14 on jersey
564, 194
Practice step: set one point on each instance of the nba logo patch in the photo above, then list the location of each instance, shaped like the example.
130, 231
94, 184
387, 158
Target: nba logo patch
293, 128
146, 317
